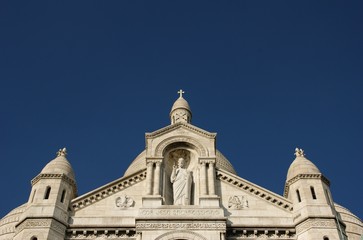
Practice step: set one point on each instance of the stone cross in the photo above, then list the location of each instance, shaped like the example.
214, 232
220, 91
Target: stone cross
181, 93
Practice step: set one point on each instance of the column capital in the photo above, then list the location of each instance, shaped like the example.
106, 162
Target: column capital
207, 160
154, 160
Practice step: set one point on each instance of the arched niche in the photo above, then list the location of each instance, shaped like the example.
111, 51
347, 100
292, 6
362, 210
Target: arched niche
171, 155
175, 235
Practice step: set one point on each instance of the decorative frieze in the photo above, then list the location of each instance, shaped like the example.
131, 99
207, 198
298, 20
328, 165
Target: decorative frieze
183, 225
41, 223
172, 213
315, 223
242, 234
88, 234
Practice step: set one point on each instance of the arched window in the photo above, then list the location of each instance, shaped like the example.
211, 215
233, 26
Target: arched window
298, 195
33, 238
312, 192
47, 192
325, 238
63, 196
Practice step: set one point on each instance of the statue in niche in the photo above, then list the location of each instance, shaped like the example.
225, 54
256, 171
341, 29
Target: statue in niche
181, 180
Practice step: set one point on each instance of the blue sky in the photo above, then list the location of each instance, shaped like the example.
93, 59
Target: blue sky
267, 76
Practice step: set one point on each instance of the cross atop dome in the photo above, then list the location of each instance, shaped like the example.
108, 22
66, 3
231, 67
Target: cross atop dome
180, 112
181, 92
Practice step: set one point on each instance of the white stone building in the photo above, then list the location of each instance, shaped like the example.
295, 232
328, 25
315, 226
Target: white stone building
200, 199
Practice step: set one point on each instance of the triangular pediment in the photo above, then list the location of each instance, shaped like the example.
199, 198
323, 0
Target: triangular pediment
254, 190
107, 190
180, 126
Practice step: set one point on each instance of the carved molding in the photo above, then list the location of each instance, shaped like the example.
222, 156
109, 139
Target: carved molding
315, 223
304, 176
180, 213
180, 125
166, 142
108, 190
182, 234
184, 225
54, 176
87, 234
278, 201
33, 223
241, 234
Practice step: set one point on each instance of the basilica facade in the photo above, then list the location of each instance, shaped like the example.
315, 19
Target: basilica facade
180, 187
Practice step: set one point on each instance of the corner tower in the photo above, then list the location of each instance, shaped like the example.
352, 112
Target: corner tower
315, 216
47, 213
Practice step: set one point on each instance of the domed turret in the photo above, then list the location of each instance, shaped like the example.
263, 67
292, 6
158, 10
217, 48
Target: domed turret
52, 191
180, 112
301, 165
308, 190
59, 165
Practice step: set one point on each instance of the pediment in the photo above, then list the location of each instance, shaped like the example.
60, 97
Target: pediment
180, 126
110, 189
244, 187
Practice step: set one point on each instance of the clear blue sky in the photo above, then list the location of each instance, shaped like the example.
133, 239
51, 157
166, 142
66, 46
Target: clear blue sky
267, 76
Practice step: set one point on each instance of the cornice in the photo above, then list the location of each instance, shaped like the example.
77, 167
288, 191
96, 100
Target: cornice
107, 190
251, 188
54, 176
179, 125
304, 176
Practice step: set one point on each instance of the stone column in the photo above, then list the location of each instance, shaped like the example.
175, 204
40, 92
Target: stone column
211, 179
203, 179
157, 178
149, 177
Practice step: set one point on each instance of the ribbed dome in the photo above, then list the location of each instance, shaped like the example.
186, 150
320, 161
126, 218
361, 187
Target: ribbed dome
180, 103
59, 165
301, 165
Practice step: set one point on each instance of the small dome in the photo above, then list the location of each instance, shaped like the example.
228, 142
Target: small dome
180, 103
301, 165
59, 165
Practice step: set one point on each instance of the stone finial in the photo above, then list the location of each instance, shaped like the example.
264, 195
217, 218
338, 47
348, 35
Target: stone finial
181, 92
299, 152
62, 152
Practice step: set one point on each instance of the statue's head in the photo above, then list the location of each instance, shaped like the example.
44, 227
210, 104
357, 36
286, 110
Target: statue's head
181, 162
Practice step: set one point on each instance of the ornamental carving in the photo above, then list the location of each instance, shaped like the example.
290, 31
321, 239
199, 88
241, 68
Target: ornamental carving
199, 147
315, 223
238, 202
189, 226
101, 234
260, 234
180, 212
124, 202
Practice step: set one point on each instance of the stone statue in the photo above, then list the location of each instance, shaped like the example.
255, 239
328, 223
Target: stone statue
62, 152
181, 180
299, 152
